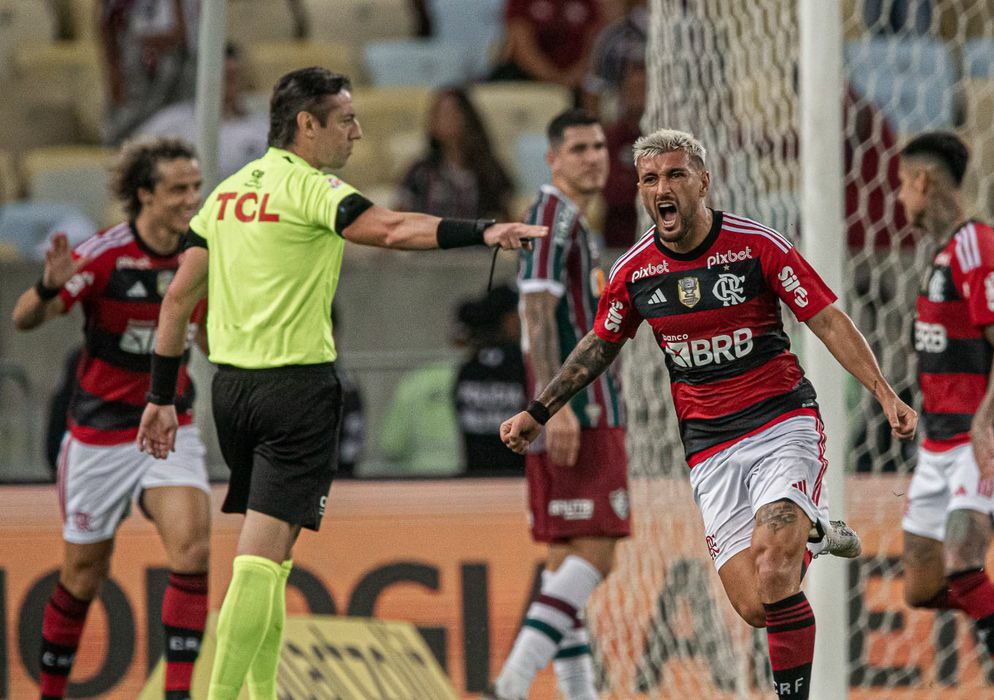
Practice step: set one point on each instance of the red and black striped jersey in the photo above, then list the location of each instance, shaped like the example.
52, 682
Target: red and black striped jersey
954, 359
120, 288
715, 313
567, 264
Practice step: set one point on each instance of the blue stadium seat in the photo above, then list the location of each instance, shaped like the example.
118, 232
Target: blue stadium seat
433, 63
532, 171
26, 225
477, 25
910, 79
978, 58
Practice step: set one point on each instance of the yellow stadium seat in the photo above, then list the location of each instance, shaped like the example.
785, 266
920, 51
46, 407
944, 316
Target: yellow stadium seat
23, 23
74, 174
268, 61
10, 181
386, 112
84, 16
249, 21
367, 168
359, 21
978, 125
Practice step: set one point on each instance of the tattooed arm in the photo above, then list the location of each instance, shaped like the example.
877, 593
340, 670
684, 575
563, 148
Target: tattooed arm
589, 359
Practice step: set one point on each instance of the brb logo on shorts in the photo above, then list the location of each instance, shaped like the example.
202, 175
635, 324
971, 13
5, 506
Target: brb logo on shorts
711, 351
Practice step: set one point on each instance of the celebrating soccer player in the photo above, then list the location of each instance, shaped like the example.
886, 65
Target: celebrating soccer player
947, 525
119, 277
710, 284
272, 236
577, 480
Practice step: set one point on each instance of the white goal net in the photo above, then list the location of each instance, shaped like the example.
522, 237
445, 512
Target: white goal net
728, 72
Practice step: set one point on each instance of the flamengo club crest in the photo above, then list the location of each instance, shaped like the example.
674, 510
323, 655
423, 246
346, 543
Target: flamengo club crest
728, 288
689, 289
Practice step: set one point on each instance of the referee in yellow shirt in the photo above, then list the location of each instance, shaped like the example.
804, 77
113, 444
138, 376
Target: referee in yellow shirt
266, 249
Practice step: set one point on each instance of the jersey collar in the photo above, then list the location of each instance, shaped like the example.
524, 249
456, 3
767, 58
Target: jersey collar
288, 156
716, 218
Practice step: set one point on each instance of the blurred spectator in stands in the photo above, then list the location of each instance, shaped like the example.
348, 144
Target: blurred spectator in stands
459, 176
242, 136
548, 40
620, 192
490, 384
618, 44
149, 49
898, 16
352, 432
422, 18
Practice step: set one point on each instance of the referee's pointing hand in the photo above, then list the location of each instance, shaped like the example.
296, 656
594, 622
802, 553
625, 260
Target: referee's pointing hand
513, 235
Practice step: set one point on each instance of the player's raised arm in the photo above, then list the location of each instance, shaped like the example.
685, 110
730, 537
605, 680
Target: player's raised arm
41, 302
839, 334
588, 360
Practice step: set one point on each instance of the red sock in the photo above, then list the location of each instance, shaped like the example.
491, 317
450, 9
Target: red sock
790, 630
184, 613
974, 595
61, 629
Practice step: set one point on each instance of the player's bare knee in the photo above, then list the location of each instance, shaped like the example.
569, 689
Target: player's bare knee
83, 577
191, 554
751, 611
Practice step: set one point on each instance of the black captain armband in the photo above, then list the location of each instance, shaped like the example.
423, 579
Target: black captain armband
459, 233
538, 411
46, 293
350, 209
165, 370
194, 240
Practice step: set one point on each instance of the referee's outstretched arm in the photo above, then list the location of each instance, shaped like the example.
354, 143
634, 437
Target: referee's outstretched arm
383, 228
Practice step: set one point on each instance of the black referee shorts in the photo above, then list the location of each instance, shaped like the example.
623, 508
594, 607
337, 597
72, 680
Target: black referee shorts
278, 432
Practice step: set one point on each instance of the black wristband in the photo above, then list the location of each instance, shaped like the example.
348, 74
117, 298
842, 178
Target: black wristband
459, 233
539, 411
46, 293
165, 370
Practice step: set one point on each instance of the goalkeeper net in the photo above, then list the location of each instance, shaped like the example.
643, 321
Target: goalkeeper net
728, 72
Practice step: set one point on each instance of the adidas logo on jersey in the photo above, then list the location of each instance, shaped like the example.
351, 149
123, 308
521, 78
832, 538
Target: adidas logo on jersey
657, 297
137, 290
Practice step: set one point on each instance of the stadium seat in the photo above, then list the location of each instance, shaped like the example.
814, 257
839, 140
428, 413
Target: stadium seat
978, 125
25, 225
531, 171
70, 72
415, 62
249, 21
476, 25
910, 79
366, 168
978, 58
510, 108
74, 174
10, 181
269, 60
385, 112
360, 21
23, 23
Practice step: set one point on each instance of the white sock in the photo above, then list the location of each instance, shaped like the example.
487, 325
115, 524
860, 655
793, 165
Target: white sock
575, 666
547, 622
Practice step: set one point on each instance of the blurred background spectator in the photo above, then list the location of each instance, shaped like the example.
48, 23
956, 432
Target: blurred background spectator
620, 192
459, 176
490, 384
548, 40
242, 133
352, 432
619, 43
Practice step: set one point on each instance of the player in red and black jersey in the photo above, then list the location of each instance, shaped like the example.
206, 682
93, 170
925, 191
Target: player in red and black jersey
710, 284
119, 277
947, 524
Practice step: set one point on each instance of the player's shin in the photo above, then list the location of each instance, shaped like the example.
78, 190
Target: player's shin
62, 627
262, 672
184, 614
790, 629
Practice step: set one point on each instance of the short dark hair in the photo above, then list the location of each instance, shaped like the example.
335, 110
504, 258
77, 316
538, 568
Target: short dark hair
944, 147
137, 167
564, 120
302, 90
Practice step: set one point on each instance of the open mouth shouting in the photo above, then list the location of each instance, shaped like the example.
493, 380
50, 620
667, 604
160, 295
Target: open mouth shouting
668, 216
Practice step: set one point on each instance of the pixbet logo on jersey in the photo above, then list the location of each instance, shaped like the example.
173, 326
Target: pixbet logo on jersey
729, 256
650, 270
711, 351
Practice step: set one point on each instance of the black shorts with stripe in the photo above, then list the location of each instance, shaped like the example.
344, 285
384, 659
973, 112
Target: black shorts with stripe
278, 433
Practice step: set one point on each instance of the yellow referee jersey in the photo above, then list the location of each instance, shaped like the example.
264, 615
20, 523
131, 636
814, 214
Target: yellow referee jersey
275, 258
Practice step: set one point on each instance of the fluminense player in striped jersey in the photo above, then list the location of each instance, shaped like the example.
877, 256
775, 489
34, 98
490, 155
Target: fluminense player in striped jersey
710, 285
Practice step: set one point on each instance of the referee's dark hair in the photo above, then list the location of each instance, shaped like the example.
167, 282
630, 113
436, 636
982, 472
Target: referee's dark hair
564, 120
943, 147
302, 90
137, 167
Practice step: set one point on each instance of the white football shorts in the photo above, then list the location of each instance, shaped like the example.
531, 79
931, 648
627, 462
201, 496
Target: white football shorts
944, 482
784, 461
97, 483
